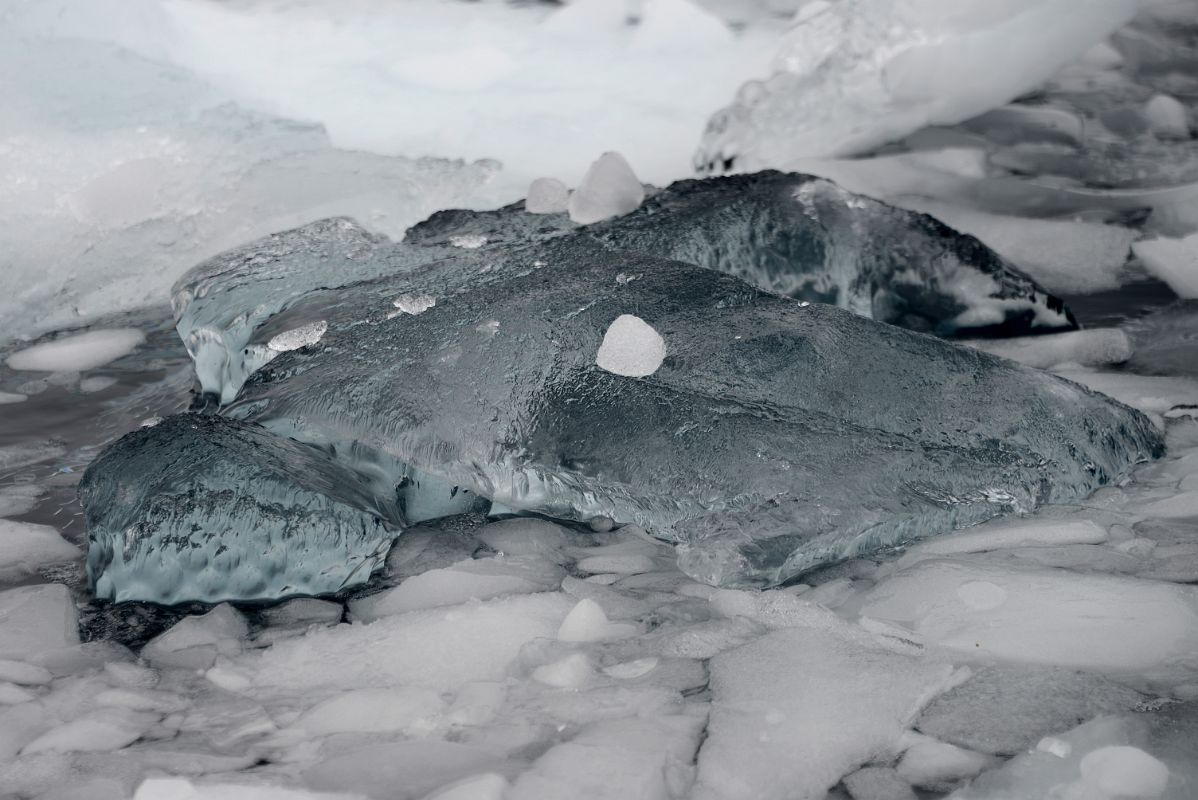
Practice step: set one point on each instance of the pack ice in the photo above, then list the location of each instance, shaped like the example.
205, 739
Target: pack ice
773, 435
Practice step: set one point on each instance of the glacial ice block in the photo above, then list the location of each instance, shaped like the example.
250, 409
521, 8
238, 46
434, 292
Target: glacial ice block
789, 234
202, 508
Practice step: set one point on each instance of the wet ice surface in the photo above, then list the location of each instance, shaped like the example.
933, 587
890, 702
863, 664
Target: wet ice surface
588, 665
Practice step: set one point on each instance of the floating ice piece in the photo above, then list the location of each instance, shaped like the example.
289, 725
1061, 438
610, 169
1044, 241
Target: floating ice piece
631, 347
80, 352
547, 196
878, 783
937, 766
303, 611
7, 398
1004, 534
473, 579
195, 642
569, 672
414, 303
1102, 623
1092, 347
1174, 261
608, 189
294, 339
1123, 771
525, 536
586, 622
23, 673
183, 789
26, 546
487, 786
19, 498
850, 76
400, 770
99, 731
1167, 117
176, 519
35, 620
772, 737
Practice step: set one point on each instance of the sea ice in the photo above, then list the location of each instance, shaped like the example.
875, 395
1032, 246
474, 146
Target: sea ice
1174, 261
609, 189
76, 353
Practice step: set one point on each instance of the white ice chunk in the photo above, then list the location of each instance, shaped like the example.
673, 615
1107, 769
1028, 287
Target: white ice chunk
547, 196
609, 189
441, 648
19, 498
1045, 616
878, 783
37, 619
1167, 117
195, 642
631, 347
23, 673
303, 610
183, 789
1123, 771
1091, 347
11, 695
569, 672
934, 765
1148, 393
471, 579
468, 241
26, 546
525, 536
7, 398
795, 710
410, 710
414, 304
303, 336
1174, 261
399, 770
1007, 533
586, 622
79, 352
19, 725
487, 786
99, 731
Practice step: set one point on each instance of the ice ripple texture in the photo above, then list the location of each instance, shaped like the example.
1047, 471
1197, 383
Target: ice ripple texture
777, 435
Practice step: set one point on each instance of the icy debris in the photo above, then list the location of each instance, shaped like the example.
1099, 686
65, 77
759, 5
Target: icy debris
608, 189
36, 620
877, 783
294, 339
1174, 261
547, 196
771, 736
183, 789
7, 398
79, 352
472, 579
414, 303
851, 76
937, 766
1092, 347
525, 536
1123, 771
97, 383
303, 611
1167, 117
102, 730
399, 770
631, 347
569, 672
27, 546
1045, 616
409, 710
586, 622
195, 642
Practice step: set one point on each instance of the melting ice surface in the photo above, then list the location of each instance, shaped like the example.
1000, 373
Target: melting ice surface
767, 438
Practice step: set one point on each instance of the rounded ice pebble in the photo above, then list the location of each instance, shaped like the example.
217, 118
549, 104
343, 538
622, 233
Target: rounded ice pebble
77, 353
631, 347
547, 196
1125, 772
609, 189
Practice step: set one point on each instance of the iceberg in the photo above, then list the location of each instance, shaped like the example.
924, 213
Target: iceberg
775, 435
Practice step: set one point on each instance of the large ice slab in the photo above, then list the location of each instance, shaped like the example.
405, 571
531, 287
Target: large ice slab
771, 436
205, 508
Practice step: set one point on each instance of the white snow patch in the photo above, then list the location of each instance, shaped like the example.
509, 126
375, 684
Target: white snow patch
80, 352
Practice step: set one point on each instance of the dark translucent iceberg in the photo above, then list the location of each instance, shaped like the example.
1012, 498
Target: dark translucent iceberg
776, 436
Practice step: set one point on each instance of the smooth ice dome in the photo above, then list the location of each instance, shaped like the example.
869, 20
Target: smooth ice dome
631, 347
77, 353
547, 196
609, 189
